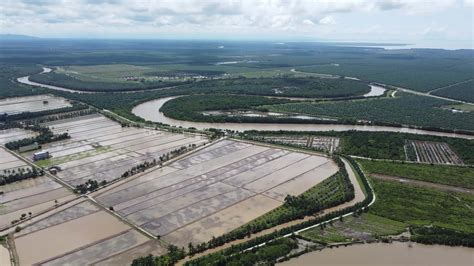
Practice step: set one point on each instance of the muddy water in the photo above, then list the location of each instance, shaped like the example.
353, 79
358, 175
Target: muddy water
26, 80
387, 254
4, 256
375, 91
150, 111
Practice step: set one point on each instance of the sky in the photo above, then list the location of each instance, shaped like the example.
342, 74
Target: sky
424, 23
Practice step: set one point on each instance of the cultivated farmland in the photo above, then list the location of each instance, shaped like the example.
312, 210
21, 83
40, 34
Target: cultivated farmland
102, 150
12, 134
431, 152
323, 143
81, 233
35, 103
22, 199
215, 190
10, 164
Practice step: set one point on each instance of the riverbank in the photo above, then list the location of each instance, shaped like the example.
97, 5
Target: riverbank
150, 111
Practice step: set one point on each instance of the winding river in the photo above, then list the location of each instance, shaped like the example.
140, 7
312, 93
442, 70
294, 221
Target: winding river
150, 111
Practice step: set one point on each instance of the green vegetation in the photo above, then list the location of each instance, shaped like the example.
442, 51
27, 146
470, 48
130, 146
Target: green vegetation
442, 174
331, 192
463, 91
288, 87
405, 109
462, 107
174, 254
326, 235
423, 206
10, 176
379, 145
66, 81
191, 107
265, 255
436, 235
419, 70
30, 115
9, 88
71, 157
365, 227
45, 136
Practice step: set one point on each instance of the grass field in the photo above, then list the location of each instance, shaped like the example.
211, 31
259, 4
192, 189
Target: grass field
423, 206
447, 175
462, 107
365, 227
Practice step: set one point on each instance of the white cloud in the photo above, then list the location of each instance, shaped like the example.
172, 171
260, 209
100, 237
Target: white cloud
328, 20
138, 18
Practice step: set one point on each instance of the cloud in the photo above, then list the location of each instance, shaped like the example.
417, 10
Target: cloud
328, 20
201, 17
261, 13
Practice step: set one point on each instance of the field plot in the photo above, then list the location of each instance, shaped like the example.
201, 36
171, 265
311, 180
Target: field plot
215, 190
27, 197
12, 134
83, 234
431, 152
328, 144
10, 164
102, 150
30, 196
35, 103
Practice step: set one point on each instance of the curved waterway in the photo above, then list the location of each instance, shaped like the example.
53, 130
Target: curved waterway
150, 111
396, 253
26, 80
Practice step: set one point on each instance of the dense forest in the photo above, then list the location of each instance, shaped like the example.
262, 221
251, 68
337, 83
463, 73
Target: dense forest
405, 109
289, 87
192, 107
421, 70
463, 91
10, 88
62, 80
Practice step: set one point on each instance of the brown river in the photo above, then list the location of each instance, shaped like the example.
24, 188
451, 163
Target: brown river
150, 111
396, 253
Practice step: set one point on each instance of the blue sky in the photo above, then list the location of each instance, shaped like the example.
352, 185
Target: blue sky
426, 23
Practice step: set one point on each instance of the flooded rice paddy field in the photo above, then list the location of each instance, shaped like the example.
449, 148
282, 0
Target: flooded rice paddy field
215, 190
101, 149
34, 195
16, 105
12, 134
80, 234
30, 195
10, 164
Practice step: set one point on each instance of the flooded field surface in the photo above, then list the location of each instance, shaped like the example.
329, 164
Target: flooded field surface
126, 257
387, 254
82, 234
214, 190
12, 134
16, 105
102, 150
26, 196
10, 164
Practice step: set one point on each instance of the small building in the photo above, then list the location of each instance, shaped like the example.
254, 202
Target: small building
41, 155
